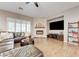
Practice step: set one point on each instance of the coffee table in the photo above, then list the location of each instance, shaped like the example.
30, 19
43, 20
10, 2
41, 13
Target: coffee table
26, 42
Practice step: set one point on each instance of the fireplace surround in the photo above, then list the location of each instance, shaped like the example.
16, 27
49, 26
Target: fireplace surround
39, 32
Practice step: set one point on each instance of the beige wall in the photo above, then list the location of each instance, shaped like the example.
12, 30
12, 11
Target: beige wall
5, 14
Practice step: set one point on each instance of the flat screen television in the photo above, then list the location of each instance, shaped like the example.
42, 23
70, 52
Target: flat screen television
58, 25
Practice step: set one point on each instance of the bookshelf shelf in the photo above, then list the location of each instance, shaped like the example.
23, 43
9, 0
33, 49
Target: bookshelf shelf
73, 32
73, 27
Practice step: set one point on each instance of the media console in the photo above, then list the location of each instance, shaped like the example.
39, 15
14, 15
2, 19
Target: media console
56, 36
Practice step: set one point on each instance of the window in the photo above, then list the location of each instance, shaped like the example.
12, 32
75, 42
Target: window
19, 25
28, 27
23, 27
11, 26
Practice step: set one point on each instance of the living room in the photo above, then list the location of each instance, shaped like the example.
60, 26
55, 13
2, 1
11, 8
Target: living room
50, 28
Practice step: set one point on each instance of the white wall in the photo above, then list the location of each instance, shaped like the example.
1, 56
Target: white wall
5, 14
71, 15
36, 21
3, 23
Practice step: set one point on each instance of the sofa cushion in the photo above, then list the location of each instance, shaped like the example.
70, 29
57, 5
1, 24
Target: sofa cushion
5, 35
1, 39
17, 34
22, 34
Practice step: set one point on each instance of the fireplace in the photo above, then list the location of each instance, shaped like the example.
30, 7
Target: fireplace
39, 32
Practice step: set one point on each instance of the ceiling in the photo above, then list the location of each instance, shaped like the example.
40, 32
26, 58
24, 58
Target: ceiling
45, 9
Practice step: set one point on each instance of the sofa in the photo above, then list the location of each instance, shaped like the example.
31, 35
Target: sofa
6, 35
18, 36
6, 41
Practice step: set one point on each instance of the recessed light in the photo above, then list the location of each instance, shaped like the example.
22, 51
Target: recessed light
20, 8
27, 2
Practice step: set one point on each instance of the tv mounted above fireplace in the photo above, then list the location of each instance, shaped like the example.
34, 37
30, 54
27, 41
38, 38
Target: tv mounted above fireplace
58, 25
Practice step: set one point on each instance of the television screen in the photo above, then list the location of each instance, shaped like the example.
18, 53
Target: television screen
58, 25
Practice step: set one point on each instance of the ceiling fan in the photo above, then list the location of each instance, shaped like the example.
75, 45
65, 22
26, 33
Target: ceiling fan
35, 3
